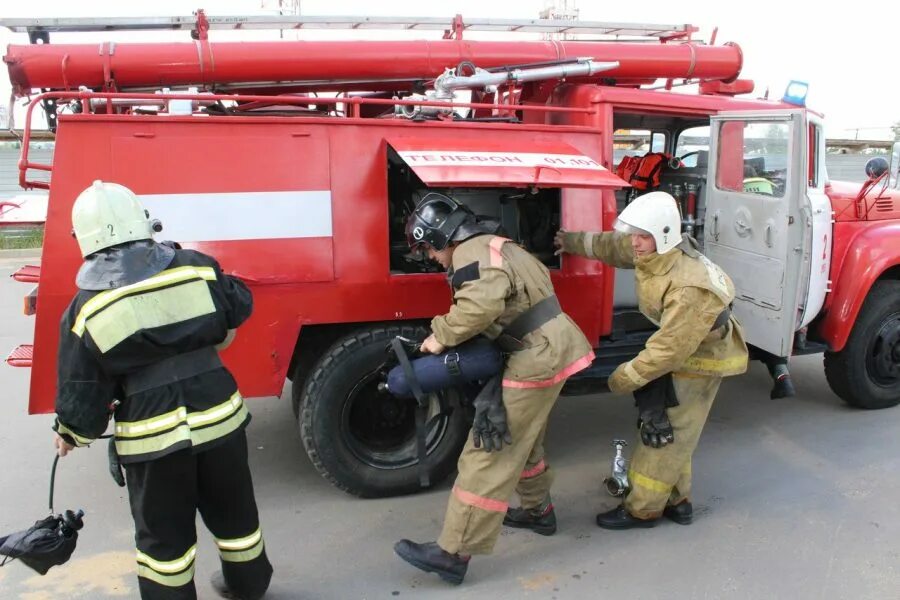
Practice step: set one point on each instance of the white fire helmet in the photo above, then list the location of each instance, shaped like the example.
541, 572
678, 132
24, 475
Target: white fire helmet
655, 214
108, 214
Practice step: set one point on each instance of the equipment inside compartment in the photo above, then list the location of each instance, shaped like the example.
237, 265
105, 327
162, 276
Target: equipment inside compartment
529, 216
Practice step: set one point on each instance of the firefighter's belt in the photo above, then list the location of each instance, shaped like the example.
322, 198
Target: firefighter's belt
722, 319
173, 369
510, 340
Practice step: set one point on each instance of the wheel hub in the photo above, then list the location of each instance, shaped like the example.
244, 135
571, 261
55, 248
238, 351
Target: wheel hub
380, 429
884, 354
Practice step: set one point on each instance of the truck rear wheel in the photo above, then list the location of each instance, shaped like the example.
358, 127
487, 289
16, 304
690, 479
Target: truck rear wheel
362, 439
866, 372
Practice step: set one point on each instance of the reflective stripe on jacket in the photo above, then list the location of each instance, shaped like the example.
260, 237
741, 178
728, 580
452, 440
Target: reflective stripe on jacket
109, 337
683, 293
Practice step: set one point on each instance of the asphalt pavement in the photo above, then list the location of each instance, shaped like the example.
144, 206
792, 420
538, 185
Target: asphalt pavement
794, 499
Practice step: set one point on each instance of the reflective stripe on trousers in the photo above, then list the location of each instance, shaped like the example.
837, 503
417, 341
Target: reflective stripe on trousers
171, 573
148, 436
486, 480
165, 495
242, 549
655, 472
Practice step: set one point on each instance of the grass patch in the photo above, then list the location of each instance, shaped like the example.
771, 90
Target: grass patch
24, 237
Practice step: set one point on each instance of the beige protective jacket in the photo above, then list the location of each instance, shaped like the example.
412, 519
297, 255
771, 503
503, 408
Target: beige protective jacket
683, 293
494, 281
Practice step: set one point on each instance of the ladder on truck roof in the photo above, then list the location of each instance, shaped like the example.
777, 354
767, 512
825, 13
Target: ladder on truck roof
638, 31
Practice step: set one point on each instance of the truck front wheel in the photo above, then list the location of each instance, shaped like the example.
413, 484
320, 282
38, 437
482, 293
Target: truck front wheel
363, 439
866, 372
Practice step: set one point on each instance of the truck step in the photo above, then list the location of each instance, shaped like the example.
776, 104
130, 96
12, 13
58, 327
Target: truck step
28, 274
21, 356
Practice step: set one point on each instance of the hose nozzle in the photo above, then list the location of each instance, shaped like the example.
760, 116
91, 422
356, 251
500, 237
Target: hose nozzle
617, 483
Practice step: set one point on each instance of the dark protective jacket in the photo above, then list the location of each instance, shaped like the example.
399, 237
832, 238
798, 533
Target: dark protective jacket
150, 346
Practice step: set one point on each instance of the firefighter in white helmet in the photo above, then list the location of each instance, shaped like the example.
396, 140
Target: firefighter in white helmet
676, 376
139, 343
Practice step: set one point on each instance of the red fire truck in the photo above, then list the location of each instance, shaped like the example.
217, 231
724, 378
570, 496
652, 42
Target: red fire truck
296, 163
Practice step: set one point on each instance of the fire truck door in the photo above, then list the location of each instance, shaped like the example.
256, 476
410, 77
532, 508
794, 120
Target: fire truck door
895, 166
815, 283
757, 224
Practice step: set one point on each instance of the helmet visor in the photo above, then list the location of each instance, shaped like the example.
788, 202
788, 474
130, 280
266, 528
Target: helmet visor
623, 227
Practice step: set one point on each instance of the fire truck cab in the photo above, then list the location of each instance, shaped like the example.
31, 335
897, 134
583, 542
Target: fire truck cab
297, 171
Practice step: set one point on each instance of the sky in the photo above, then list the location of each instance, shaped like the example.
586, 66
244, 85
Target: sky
846, 53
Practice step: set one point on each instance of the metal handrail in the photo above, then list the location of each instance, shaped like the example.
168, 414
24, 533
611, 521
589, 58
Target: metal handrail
659, 31
353, 102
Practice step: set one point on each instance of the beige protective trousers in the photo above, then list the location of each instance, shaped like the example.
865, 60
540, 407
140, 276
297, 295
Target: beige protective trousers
486, 480
663, 475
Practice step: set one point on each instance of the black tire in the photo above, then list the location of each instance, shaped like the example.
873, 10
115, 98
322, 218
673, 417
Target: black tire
361, 439
866, 372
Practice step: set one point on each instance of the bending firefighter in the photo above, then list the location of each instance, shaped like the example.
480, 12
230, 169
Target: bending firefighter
504, 293
676, 376
139, 341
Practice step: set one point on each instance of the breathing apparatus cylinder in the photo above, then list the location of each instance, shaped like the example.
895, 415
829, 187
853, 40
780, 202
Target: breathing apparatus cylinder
475, 360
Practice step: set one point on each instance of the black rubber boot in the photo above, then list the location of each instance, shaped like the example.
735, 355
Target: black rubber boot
256, 592
682, 513
619, 518
783, 387
433, 559
540, 520
221, 588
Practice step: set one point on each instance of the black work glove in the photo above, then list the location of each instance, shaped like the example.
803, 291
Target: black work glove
489, 427
652, 401
656, 430
115, 467
410, 346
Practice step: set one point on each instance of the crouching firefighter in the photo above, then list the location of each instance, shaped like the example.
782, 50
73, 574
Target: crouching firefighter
676, 376
504, 293
139, 341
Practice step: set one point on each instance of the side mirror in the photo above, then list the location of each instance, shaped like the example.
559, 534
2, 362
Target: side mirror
876, 167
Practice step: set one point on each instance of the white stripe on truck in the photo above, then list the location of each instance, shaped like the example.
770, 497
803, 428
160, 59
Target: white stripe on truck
241, 215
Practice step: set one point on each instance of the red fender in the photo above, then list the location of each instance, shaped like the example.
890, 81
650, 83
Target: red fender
873, 250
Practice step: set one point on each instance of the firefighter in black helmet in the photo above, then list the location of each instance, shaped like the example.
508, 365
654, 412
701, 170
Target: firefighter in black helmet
502, 292
438, 220
139, 341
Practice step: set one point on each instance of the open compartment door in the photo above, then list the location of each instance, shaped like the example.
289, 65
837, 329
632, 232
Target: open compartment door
447, 162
